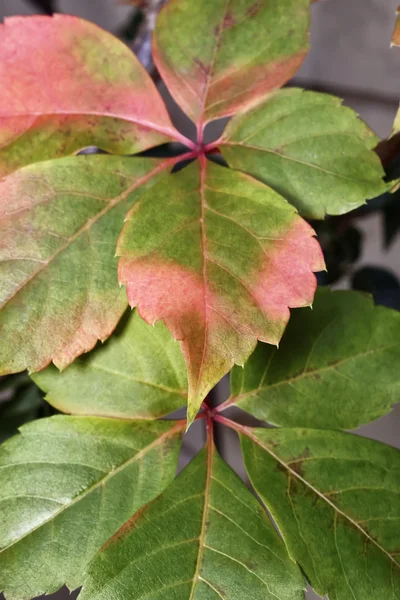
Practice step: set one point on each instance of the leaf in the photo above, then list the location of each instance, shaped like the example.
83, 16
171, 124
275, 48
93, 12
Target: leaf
138, 374
68, 484
335, 499
218, 257
59, 225
337, 366
67, 84
205, 537
310, 149
222, 56
396, 32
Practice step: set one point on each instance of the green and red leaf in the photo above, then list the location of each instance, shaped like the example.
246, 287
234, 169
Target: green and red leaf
66, 84
59, 225
396, 32
222, 56
396, 42
219, 257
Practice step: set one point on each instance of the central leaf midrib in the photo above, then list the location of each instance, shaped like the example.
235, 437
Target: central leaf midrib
204, 523
218, 39
100, 482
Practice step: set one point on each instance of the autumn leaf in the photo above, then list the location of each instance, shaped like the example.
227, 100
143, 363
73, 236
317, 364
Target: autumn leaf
220, 57
59, 224
65, 85
219, 257
396, 42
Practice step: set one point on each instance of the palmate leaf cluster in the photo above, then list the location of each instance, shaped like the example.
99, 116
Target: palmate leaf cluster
216, 257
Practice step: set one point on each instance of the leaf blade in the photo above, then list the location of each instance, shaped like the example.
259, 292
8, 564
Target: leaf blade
339, 555
138, 374
60, 222
193, 269
232, 53
327, 369
207, 565
79, 496
309, 148
99, 97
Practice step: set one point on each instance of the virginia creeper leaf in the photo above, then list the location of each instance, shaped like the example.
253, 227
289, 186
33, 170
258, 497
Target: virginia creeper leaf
335, 499
206, 537
67, 485
396, 32
59, 225
396, 42
219, 257
222, 56
139, 373
309, 148
337, 366
66, 84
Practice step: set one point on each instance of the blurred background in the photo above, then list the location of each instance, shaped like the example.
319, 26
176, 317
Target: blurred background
350, 57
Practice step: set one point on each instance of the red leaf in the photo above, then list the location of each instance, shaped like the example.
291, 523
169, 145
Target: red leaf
67, 84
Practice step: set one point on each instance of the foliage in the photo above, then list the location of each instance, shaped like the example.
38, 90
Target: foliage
216, 255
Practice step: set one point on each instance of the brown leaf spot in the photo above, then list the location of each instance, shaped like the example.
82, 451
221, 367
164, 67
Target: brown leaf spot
254, 9
126, 528
229, 21
205, 68
296, 464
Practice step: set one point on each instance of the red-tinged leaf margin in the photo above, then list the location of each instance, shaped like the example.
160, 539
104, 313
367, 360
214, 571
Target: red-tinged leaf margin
396, 32
64, 67
84, 338
163, 290
259, 79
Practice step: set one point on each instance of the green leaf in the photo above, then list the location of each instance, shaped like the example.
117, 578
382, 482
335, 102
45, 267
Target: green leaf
309, 148
222, 56
205, 537
59, 225
335, 499
67, 84
219, 257
139, 373
67, 485
337, 366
